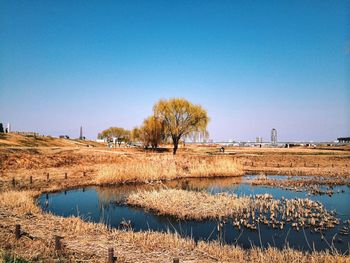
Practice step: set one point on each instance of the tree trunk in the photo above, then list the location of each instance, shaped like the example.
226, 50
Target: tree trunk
176, 143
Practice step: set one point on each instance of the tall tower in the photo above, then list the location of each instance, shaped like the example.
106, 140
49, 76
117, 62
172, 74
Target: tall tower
81, 133
274, 136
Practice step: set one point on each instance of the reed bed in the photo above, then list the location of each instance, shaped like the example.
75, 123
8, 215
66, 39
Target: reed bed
187, 204
166, 167
311, 162
336, 171
244, 211
84, 241
312, 185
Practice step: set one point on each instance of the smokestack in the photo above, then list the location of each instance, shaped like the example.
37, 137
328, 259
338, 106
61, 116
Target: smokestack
81, 133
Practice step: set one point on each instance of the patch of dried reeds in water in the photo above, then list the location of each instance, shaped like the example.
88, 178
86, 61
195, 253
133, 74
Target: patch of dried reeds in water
244, 211
188, 204
313, 185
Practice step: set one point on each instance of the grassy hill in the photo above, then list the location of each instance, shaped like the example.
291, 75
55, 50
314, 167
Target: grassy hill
17, 140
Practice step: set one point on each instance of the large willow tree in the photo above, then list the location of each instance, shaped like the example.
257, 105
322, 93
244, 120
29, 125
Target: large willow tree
179, 118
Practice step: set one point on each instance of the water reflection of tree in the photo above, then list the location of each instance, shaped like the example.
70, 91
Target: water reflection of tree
117, 194
200, 184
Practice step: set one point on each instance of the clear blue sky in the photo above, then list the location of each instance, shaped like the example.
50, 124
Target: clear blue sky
254, 65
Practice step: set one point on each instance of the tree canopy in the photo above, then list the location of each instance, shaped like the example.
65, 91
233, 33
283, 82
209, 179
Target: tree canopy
135, 134
180, 117
151, 132
119, 133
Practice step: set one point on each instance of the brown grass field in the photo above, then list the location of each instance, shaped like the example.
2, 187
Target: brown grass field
98, 165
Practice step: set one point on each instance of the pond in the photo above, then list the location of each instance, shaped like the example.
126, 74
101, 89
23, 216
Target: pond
105, 205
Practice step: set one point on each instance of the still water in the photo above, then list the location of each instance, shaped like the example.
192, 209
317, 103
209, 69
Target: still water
105, 205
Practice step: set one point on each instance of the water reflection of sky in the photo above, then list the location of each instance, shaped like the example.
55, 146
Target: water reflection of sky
99, 204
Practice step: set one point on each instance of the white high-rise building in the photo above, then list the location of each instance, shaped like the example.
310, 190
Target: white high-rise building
8, 129
274, 136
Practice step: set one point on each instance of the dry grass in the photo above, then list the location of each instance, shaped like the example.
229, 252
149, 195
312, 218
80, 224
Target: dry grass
297, 162
166, 167
17, 140
137, 169
312, 185
20, 201
217, 166
187, 204
327, 171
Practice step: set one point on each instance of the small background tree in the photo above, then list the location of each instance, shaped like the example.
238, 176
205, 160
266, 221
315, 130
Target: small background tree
121, 134
135, 135
151, 132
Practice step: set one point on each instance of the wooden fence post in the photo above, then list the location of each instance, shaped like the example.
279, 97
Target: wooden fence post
176, 260
13, 182
18, 231
111, 257
30, 179
58, 245
84, 174
65, 176
48, 177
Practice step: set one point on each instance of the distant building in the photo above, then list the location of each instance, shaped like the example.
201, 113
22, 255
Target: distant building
274, 136
8, 128
344, 140
258, 139
81, 137
197, 137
